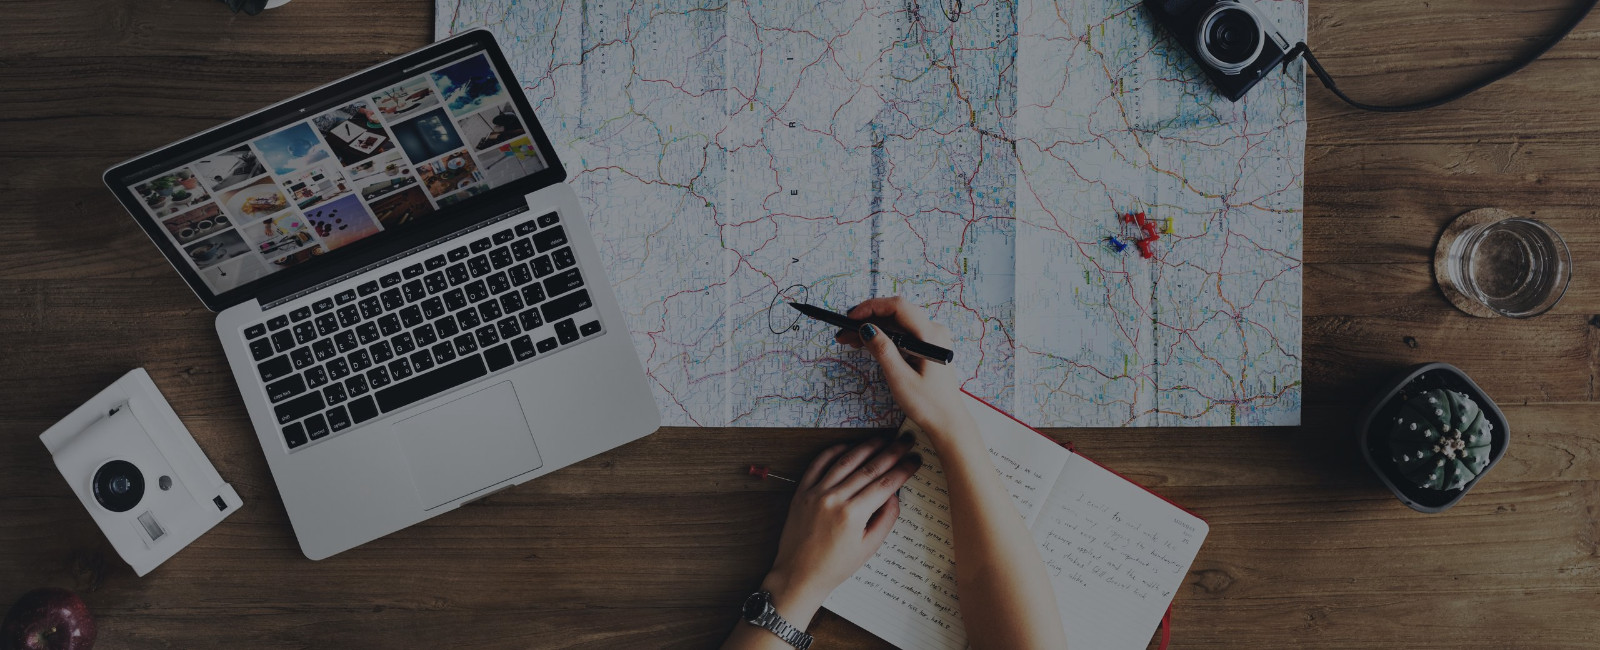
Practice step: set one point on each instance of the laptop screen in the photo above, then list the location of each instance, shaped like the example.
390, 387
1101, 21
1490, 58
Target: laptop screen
379, 155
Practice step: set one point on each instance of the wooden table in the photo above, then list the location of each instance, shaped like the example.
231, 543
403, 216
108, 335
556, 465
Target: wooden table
654, 545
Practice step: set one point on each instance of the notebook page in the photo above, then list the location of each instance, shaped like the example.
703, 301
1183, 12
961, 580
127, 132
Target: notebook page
1116, 553
906, 593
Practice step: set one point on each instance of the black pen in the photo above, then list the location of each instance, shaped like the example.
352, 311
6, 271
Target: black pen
907, 343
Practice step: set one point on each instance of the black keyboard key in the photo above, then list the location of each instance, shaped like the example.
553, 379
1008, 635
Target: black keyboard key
533, 294
468, 318
503, 237
431, 383
348, 316
476, 292
563, 258
530, 320
346, 341
567, 305
459, 253
368, 332
403, 344
522, 250
522, 347
300, 314
360, 360
500, 257
563, 282
489, 309
435, 263
260, 349
411, 316
590, 328
548, 239
334, 393
278, 322
413, 291
381, 352
432, 308
465, 344
413, 271
304, 333
548, 220
392, 299
479, 266
316, 377
338, 420
301, 358
508, 328
326, 324
520, 275
511, 303
322, 305
424, 336
294, 435
378, 377
422, 361
254, 331
285, 388
487, 336
479, 247
298, 407
390, 280
548, 344
526, 227
444, 352
357, 385
345, 297
400, 368
370, 307
389, 324
498, 357
367, 288
323, 350
567, 331
446, 327
457, 273
363, 409
274, 368
316, 427
435, 282
498, 283
542, 266
282, 341
455, 299
338, 369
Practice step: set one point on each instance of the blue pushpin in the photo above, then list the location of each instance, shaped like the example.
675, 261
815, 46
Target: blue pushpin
1116, 244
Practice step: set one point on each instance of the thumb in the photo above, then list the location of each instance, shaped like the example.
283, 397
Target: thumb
895, 368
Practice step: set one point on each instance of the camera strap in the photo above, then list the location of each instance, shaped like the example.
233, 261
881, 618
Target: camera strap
1301, 49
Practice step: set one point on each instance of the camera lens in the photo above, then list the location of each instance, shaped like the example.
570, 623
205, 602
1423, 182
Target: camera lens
1230, 37
118, 486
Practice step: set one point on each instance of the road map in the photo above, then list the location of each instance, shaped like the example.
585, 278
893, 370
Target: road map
976, 157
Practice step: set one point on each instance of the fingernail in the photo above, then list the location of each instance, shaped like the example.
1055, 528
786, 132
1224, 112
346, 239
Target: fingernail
868, 331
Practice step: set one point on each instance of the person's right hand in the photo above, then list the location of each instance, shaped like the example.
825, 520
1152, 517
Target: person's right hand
928, 392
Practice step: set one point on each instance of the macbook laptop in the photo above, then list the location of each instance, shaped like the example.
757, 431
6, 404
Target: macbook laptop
410, 298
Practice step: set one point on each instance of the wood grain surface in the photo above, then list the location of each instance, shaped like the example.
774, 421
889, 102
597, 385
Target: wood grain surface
653, 545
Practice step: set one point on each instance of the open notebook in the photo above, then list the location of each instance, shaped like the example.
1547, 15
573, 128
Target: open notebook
1116, 552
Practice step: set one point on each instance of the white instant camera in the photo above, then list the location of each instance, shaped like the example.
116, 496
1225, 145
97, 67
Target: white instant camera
139, 472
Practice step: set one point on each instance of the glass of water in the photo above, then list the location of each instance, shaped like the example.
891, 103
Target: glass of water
1516, 267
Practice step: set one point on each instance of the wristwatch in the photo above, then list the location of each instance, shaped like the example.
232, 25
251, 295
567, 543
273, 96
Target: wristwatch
758, 611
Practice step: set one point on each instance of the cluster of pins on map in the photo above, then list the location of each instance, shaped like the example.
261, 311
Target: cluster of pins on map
1147, 234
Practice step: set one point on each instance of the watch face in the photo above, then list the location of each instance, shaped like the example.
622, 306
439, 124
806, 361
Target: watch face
756, 605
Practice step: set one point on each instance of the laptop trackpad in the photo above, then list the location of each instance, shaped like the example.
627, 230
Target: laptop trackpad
466, 445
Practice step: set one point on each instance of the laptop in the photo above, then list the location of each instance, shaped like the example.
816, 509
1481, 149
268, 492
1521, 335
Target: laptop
409, 295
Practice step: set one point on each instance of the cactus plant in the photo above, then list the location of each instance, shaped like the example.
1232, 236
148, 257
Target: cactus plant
1440, 439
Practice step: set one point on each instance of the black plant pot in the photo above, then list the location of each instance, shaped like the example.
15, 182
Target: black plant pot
1375, 443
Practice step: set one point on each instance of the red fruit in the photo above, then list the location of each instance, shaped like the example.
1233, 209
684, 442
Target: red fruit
48, 619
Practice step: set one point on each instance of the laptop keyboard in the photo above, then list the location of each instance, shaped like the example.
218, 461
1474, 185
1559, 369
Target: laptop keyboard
430, 327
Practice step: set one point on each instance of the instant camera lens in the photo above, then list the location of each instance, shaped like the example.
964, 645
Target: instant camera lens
1230, 37
118, 486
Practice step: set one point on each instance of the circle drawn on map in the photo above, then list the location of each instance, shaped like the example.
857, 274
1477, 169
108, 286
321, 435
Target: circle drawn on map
792, 293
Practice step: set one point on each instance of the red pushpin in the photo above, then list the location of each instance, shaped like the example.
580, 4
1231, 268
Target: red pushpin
762, 472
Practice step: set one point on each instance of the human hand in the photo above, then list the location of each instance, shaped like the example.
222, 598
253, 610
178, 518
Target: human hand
928, 392
843, 509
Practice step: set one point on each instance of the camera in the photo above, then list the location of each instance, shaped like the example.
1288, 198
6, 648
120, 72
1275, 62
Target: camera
1230, 39
140, 474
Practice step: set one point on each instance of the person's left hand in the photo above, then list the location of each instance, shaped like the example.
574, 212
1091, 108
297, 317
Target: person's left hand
843, 509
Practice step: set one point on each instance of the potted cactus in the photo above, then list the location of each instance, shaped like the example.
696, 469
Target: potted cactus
1431, 434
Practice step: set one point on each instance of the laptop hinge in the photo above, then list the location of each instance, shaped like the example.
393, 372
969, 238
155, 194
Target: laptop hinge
272, 298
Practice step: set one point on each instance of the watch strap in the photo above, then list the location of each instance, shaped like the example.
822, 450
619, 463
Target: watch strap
771, 621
